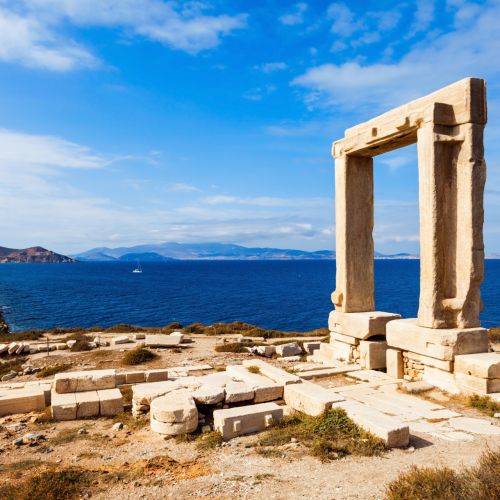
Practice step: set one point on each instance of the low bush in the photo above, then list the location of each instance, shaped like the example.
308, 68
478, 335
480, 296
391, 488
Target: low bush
21, 336
138, 356
236, 347
209, 441
124, 328
48, 371
494, 335
172, 327
253, 369
14, 365
484, 404
329, 436
440, 483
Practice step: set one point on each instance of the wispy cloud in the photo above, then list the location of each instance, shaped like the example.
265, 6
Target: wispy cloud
271, 67
180, 187
295, 16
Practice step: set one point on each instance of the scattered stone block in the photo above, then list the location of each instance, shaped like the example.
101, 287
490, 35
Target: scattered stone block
82, 381
373, 354
61, 346
139, 336
482, 365
87, 404
110, 402
175, 413
290, 349
470, 384
12, 348
159, 375
290, 359
180, 335
70, 343
63, 405
335, 336
309, 398
135, 377
395, 364
242, 420
162, 341
14, 401
120, 339
310, 347
440, 343
441, 379
276, 374
143, 394
395, 433
361, 325
208, 395
265, 350
264, 388
4, 348
238, 391
46, 387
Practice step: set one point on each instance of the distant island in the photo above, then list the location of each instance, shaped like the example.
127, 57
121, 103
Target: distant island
31, 255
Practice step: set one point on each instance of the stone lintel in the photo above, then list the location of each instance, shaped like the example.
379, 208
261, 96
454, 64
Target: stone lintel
442, 344
360, 325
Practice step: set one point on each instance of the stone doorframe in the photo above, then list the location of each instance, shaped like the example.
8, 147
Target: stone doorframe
447, 126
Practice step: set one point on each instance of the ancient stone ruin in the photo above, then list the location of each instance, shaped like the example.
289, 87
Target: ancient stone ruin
447, 127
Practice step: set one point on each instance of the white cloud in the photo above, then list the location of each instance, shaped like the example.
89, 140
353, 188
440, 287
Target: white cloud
264, 201
179, 187
272, 66
29, 28
424, 15
296, 16
344, 20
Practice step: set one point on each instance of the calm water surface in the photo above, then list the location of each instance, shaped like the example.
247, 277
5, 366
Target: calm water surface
285, 295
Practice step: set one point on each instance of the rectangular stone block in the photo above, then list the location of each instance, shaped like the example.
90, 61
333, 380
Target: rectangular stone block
265, 389
45, 386
110, 402
289, 349
120, 378
63, 406
372, 354
482, 365
340, 337
135, 377
442, 344
361, 325
395, 433
310, 347
275, 373
470, 384
87, 404
84, 381
238, 391
310, 398
337, 351
162, 341
14, 401
447, 366
246, 419
441, 379
143, 394
156, 375
394, 362
120, 339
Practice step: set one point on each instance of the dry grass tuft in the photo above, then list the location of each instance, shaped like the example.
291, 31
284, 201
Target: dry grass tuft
433, 483
494, 335
484, 404
48, 371
138, 356
235, 347
209, 441
253, 369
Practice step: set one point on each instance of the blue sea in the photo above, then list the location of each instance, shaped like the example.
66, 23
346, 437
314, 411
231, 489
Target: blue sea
283, 295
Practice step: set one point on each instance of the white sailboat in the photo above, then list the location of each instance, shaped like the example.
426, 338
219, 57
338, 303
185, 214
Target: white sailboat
138, 269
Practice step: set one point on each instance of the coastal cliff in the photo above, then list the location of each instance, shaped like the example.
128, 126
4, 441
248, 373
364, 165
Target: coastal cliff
32, 254
4, 327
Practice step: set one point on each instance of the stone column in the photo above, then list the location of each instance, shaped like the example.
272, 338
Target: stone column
353, 229
451, 182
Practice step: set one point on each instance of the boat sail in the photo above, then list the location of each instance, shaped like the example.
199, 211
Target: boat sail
138, 269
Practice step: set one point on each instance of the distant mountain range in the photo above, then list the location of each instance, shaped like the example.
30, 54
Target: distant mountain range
32, 254
209, 251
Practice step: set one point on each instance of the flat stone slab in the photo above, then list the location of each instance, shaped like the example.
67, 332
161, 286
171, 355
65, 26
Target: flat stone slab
84, 381
370, 376
470, 384
310, 347
159, 375
289, 349
275, 373
209, 395
361, 325
475, 426
175, 407
482, 365
14, 401
87, 404
391, 430
246, 419
328, 372
442, 344
135, 377
237, 392
120, 339
144, 393
309, 398
110, 402
162, 341
265, 389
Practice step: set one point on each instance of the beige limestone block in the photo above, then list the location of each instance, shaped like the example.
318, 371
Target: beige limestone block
143, 394
441, 379
238, 391
208, 395
173, 428
395, 364
372, 354
135, 377
360, 325
14, 401
470, 384
84, 381
87, 404
442, 344
246, 419
162, 341
310, 398
120, 378
45, 386
63, 406
120, 339
482, 365
110, 402
346, 339
394, 432
290, 349
447, 366
264, 388
275, 373
475, 426
337, 351
159, 375
176, 406
310, 347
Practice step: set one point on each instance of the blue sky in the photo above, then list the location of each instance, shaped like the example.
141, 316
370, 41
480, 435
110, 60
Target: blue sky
140, 121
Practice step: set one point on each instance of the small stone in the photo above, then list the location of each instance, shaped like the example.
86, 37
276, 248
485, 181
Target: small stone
82, 431
31, 438
118, 426
410, 449
496, 415
18, 442
206, 428
9, 376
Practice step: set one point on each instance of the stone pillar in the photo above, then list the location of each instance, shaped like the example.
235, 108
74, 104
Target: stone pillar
451, 183
353, 229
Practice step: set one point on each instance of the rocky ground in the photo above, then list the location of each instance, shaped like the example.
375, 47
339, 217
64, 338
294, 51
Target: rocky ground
132, 462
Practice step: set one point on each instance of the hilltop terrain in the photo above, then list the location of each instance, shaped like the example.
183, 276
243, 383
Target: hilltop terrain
32, 254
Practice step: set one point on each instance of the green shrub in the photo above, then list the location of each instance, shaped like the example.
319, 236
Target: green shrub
435, 483
209, 441
484, 404
138, 356
48, 371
